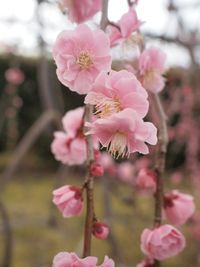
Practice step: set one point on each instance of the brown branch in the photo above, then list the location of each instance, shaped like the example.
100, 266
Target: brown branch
89, 188
160, 163
90, 158
104, 17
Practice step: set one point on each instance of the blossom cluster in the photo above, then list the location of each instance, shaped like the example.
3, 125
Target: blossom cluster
120, 102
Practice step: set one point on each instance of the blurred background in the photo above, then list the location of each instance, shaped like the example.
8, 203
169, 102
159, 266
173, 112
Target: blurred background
32, 102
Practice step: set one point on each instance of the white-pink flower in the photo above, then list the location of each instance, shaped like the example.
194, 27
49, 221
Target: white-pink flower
146, 180
71, 151
126, 172
117, 91
69, 200
128, 24
124, 133
80, 11
151, 68
80, 55
65, 259
178, 207
73, 122
162, 242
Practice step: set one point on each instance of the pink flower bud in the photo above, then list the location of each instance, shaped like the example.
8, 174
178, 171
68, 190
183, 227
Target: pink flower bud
178, 207
69, 200
100, 230
162, 242
96, 170
146, 180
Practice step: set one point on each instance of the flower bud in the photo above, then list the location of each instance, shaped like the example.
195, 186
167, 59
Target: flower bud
96, 170
162, 242
100, 230
146, 180
69, 200
178, 207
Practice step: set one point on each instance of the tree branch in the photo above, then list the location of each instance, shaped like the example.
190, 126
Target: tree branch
89, 188
160, 164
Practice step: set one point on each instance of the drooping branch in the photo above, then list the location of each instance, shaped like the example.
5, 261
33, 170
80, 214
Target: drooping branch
89, 188
90, 158
160, 163
104, 17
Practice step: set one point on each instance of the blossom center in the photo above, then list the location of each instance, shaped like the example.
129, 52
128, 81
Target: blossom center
84, 60
107, 107
118, 145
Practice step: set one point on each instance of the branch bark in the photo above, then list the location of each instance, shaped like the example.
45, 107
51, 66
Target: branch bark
89, 188
160, 163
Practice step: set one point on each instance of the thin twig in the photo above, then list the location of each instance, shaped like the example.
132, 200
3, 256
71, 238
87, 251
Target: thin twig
90, 158
89, 188
160, 164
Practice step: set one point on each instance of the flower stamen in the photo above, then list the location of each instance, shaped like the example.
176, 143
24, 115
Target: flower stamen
84, 60
118, 145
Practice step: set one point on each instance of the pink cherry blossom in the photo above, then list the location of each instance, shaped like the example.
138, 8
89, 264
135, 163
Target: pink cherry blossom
108, 164
14, 76
125, 172
73, 122
178, 207
80, 55
100, 230
146, 263
114, 92
124, 133
146, 180
65, 259
80, 11
96, 169
69, 146
69, 200
151, 68
71, 151
162, 242
128, 24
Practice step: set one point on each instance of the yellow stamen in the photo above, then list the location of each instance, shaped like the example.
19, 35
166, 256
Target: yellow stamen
84, 60
107, 107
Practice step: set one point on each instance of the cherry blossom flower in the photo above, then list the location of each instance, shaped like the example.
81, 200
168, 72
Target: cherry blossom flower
69, 146
100, 230
14, 76
125, 172
65, 259
69, 200
178, 207
96, 169
124, 133
71, 151
73, 122
146, 180
151, 68
128, 24
114, 92
80, 11
108, 163
162, 242
80, 55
